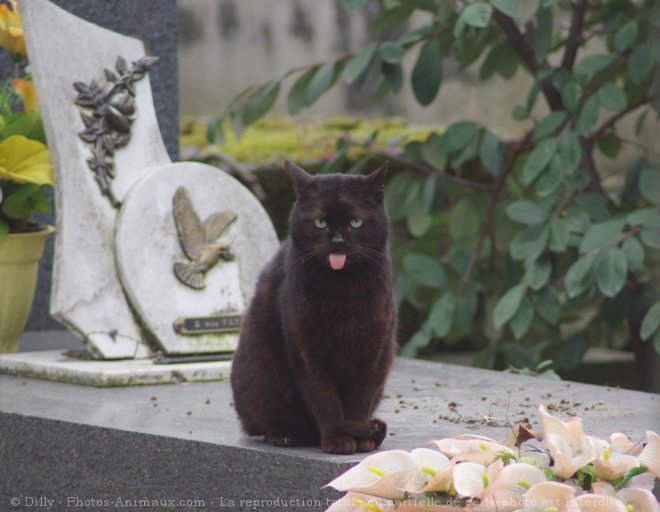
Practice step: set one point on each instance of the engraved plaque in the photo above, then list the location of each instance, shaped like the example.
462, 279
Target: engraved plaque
208, 324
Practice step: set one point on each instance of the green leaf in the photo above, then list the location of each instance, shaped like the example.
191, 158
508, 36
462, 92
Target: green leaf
570, 150
501, 59
323, 79
594, 204
650, 237
508, 305
570, 95
602, 235
391, 52
512, 8
418, 221
491, 153
550, 124
588, 117
260, 103
526, 212
546, 302
539, 157
358, 65
458, 135
571, 352
354, 5
28, 125
640, 64
296, 99
634, 252
441, 316
391, 19
550, 179
393, 75
648, 217
427, 73
559, 235
580, 275
543, 35
475, 15
529, 243
424, 270
593, 64
609, 144
469, 152
649, 185
651, 321
625, 36
612, 272
466, 308
464, 220
420, 340
538, 274
522, 320
432, 152
611, 97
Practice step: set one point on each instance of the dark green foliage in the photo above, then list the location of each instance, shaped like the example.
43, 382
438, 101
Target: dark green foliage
513, 244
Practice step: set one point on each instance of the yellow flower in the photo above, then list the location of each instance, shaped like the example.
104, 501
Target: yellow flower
11, 31
28, 92
24, 160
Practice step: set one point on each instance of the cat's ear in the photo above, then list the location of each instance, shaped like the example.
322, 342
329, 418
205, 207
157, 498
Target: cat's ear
375, 181
300, 177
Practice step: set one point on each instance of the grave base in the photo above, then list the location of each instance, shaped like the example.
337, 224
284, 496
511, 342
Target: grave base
86, 448
55, 365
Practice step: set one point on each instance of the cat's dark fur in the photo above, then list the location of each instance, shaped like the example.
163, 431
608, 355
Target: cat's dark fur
317, 342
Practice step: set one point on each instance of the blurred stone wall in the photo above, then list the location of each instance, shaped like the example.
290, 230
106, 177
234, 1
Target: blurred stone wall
226, 45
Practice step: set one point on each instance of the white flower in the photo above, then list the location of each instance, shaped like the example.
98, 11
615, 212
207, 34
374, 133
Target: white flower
356, 502
650, 456
472, 448
612, 462
385, 474
550, 497
506, 491
569, 446
431, 465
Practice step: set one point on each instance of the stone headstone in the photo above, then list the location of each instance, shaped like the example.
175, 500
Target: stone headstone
156, 23
148, 247
87, 293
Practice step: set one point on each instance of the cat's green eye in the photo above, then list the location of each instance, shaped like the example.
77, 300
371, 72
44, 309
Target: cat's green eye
320, 223
356, 223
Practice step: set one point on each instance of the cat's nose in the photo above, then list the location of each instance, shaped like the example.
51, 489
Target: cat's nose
337, 238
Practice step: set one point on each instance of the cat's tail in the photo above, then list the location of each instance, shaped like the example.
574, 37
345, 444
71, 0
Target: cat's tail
190, 274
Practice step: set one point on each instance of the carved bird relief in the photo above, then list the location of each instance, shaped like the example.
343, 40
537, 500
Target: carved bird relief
198, 240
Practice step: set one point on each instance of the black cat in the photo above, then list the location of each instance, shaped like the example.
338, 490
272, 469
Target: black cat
319, 337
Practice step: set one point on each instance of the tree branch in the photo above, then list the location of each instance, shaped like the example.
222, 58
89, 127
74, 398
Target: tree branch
609, 123
395, 156
487, 228
574, 35
525, 51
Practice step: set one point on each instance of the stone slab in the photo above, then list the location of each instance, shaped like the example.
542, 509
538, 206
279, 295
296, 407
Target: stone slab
182, 441
56, 365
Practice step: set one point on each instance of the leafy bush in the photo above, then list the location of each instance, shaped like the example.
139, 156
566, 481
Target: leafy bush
513, 244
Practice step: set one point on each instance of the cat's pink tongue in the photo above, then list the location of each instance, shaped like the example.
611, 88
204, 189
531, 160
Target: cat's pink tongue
337, 261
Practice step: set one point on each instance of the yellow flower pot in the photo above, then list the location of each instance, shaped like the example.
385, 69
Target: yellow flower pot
19, 264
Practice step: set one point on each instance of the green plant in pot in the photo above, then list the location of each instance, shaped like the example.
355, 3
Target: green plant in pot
25, 173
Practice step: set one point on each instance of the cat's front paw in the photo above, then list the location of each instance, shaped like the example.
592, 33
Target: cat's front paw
379, 430
339, 444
